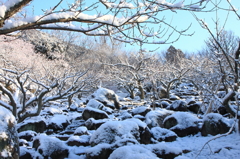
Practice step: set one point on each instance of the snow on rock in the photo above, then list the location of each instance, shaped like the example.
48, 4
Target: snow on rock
214, 123
112, 131
52, 110
124, 115
130, 152
93, 124
37, 124
26, 153
178, 105
82, 140
155, 118
50, 146
141, 110
145, 134
162, 134
182, 123
82, 130
8, 135
58, 122
107, 97
90, 112
99, 151
162, 150
94, 104
27, 135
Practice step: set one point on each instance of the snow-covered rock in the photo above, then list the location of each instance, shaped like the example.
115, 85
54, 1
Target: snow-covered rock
82, 130
178, 105
58, 122
93, 124
162, 150
194, 107
90, 112
141, 110
103, 151
145, 134
27, 135
182, 123
133, 151
214, 124
112, 131
8, 135
37, 124
162, 134
82, 140
107, 97
50, 147
155, 118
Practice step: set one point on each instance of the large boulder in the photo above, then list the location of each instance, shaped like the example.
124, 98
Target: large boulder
214, 124
162, 134
50, 147
156, 118
164, 151
132, 151
82, 140
98, 105
9, 148
141, 110
27, 135
182, 123
103, 151
90, 112
178, 105
58, 122
37, 124
194, 107
107, 97
112, 131
145, 134
93, 124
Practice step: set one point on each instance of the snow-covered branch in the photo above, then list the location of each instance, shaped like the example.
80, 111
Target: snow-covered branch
119, 20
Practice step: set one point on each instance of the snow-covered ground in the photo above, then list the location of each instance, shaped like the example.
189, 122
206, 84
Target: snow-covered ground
120, 133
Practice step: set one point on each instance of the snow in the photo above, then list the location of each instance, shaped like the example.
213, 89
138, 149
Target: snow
228, 146
53, 110
130, 152
120, 5
82, 138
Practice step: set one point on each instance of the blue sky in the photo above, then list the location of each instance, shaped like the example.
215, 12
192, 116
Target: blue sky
181, 19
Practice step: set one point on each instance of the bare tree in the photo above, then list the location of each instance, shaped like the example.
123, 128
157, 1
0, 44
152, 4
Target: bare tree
224, 48
122, 20
24, 94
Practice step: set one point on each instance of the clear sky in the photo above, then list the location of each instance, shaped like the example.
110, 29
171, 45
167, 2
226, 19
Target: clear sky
181, 20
